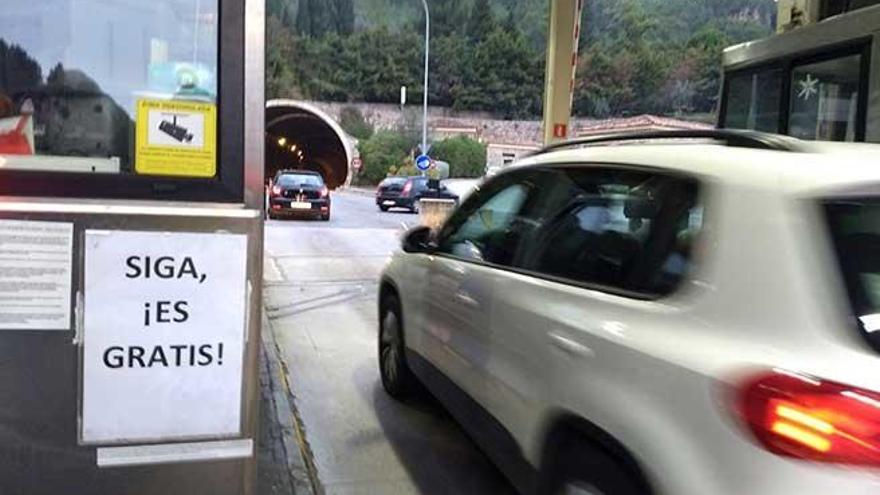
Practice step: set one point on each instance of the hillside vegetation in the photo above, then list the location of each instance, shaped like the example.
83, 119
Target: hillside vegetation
636, 56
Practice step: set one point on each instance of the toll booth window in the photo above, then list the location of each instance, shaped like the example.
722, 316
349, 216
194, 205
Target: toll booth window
109, 86
825, 99
834, 7
753, 101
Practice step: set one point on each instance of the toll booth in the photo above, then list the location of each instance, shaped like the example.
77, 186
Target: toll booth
131, 195
817, 82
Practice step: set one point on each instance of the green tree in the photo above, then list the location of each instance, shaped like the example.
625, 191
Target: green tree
282, 10
344, 16
622, 69
482, 21
281, 80
352, 120
704, 57
504, 75
448, 17
367, 66
386, 149
466, 157
316, 18
448, 68
18, 71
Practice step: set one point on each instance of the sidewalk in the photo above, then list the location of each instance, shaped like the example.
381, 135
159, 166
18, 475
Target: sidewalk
281, 464
361, 191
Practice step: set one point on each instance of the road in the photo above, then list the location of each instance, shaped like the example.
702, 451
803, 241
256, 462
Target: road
321, 283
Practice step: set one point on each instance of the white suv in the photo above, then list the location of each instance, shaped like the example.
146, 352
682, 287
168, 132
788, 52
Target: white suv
677, 317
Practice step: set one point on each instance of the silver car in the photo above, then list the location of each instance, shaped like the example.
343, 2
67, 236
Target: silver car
694, 315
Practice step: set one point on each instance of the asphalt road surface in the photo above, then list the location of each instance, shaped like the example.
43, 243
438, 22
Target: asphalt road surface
321, 283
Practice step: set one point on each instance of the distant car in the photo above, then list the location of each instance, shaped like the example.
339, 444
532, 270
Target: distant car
299, 193
407, 192
663, 315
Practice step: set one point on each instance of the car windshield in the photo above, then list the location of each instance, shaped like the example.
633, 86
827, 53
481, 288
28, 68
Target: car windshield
855, 228
300, 180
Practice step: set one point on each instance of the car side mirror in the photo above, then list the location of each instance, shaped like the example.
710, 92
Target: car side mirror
417, 240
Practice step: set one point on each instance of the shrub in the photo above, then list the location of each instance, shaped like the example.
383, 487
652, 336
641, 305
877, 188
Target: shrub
466, 157
386, 149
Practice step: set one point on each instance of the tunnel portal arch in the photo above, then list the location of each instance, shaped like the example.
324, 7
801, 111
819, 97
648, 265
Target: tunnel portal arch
325, 146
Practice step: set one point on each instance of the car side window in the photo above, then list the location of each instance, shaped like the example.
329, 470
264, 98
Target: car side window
620, 229
489, 228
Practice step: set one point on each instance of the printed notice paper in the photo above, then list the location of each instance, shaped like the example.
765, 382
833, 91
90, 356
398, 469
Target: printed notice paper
164, 326
35, 275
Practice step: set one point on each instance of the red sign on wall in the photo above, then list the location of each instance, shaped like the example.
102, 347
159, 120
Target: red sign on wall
560, 131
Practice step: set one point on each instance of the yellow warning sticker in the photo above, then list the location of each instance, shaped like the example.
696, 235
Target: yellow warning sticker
176, 138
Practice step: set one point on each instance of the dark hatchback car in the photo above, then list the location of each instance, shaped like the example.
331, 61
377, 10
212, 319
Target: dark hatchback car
299, 193
407, 192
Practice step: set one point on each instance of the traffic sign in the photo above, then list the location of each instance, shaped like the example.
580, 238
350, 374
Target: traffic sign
423, 162
560, 131
356, 163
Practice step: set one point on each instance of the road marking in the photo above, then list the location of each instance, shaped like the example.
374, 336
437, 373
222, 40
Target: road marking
271, 273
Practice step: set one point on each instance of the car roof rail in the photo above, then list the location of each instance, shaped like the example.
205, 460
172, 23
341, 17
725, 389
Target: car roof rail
731, 137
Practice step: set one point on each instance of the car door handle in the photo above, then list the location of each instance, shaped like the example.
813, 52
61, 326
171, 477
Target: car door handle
465, 298
570, 346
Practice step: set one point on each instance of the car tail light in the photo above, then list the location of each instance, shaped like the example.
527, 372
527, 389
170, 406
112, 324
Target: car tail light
809, 418
325, 192
276, 190
407, 189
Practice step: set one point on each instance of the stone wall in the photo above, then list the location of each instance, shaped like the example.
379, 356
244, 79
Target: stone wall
443, 122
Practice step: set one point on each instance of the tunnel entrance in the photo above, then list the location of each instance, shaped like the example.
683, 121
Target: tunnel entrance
299, 135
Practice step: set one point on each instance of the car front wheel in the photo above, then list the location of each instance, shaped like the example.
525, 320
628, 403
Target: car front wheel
397, 378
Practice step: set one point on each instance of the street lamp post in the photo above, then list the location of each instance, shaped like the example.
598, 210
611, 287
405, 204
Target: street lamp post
425, 96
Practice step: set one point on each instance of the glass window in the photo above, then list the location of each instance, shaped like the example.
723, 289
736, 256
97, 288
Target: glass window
619, 229
485, 233
300, 180
753, 101
393, 182
835, 7
855, 226
494, 222
825, 98
109, 86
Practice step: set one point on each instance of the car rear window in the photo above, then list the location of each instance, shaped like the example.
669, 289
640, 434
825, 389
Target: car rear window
855, 229
300, 180
392, 181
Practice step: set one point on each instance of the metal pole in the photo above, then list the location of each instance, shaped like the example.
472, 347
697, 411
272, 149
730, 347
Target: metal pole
425, 96
562, 46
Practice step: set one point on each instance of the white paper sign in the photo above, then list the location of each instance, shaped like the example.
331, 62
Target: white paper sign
163, 335
35, 275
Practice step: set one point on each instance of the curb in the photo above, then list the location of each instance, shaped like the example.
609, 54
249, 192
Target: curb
357, 190
300, 464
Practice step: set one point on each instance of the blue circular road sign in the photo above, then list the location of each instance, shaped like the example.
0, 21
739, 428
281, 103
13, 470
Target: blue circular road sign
423, 162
